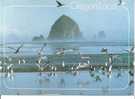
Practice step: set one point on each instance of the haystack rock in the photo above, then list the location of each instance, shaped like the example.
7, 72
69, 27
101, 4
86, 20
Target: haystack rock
65, 28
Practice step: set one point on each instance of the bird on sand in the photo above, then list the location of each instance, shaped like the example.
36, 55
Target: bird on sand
59, 4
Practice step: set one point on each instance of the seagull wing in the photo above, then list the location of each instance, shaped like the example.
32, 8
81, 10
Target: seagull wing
20, 47
120, 2
12, 48
58, 3
42, 48
126, 50
132, 49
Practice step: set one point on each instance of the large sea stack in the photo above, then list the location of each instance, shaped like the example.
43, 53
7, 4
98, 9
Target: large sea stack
65, 28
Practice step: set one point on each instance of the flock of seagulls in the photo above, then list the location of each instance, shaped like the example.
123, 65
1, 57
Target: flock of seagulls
42, 58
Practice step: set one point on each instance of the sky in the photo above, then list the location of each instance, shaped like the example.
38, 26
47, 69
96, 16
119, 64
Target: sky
21, 20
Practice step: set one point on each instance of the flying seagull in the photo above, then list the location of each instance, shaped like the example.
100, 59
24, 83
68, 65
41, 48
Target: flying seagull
120, 2
41, 49
59, 3
130, 50
17, 50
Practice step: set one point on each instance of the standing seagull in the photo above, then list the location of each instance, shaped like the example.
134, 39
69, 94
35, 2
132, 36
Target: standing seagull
1, 67
40, 55
59, 4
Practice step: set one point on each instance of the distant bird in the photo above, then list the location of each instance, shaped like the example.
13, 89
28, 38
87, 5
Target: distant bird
130, 51
110, 68
86, 57
91, 73
131, 73
104, 50
1, 67
21, 61
17, 50
41, 68
40, 65
10, 68
40, 58
131, 82
98, 78
63, 64
41, 50
118, 75
59, 3
9, 71
60, 51
82, 65
53, 68
119, 2
108, 64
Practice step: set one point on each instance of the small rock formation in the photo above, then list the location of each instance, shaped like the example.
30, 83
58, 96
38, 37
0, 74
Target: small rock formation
65, 28
101, 34
38, 38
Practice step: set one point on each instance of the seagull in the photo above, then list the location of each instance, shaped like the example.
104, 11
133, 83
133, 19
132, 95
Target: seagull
80, 65
10, 68
118, 75
131, 73
63, 64
131, 82
53, 69
104, 50
59, 3
60, 51
41, 49
41, 68
130, 50
9, 71
17, 50
120, 2
91, 73
40, 58
98, 78
1, 67
109, 64
85, 57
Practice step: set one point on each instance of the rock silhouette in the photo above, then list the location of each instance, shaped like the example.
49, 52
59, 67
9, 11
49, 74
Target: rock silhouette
65, 28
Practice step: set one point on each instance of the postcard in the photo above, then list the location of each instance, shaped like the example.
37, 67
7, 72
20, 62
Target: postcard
67, 47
